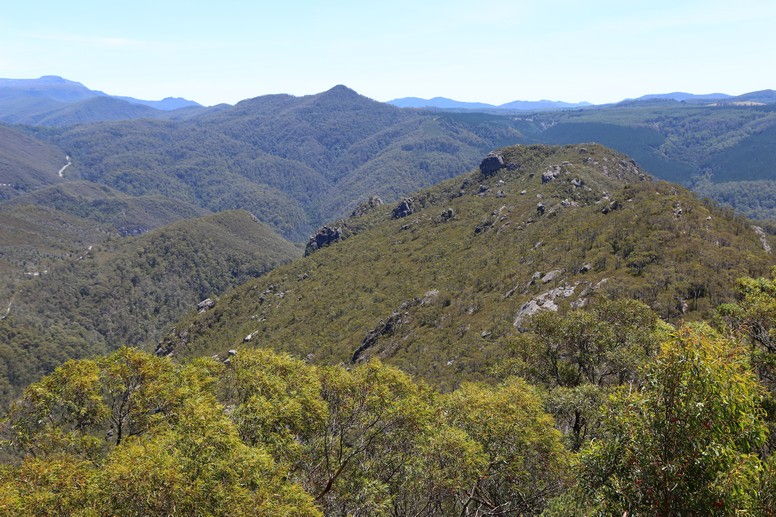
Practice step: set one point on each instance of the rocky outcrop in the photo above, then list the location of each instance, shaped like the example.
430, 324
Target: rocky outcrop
542, 302
551, 173
763, 238
447, 214
387, 327
325, 236
551, 275
611, 207
491, 164
367, 206
405, 207
206, 305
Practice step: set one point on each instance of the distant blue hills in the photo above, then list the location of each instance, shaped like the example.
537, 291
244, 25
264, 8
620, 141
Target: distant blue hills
451, 104
444, 103
54, 101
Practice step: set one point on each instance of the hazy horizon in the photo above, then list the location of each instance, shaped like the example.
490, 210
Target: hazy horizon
492, 52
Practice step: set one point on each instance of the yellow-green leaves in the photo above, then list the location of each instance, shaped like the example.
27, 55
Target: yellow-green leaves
527, 462
686, 443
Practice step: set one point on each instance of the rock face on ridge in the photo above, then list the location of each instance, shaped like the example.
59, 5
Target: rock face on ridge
325, 236
405, 207
491, 164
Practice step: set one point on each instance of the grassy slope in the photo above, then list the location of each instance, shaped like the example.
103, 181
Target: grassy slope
324, 304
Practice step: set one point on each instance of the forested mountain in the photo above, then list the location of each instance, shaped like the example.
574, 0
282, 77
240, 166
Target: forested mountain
294, 162
59, 222
438, 283
124, 291
33, 238
128, 215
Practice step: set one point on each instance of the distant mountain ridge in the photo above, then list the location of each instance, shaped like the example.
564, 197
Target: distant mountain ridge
519, 105
54, 101
683, 96
715, 99
61, 89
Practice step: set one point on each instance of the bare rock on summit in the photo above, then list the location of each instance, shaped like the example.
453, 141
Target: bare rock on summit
551, 173
491, 164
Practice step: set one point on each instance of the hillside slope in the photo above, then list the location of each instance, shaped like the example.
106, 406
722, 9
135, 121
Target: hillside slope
26, 163
33, 238
125, 291
128, 215
96, 109
296, 162
439, 290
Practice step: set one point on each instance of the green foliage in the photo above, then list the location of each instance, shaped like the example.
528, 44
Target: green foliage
580, 356
134, 434
276, 400
264, 433
752, 319
526, 462
686, 442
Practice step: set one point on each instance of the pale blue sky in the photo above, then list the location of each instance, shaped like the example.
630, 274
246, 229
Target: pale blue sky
486, 50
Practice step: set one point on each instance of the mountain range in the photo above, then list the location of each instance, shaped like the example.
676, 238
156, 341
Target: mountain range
328, 305
53, 101
716, 99
297, 162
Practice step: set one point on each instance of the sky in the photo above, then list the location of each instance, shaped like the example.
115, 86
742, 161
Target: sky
492, 51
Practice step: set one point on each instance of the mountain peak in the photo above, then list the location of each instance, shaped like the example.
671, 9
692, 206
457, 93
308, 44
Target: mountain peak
341, 91
53, 79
